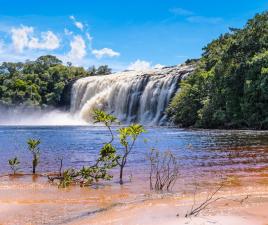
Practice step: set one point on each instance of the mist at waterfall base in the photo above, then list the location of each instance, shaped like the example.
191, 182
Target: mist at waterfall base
36, 117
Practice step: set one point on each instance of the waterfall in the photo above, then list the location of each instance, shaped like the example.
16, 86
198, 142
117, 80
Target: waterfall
131, 96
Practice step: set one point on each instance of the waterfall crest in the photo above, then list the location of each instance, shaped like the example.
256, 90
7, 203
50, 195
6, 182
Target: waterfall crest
131, 96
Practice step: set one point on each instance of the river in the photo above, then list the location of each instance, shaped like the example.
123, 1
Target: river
201, 154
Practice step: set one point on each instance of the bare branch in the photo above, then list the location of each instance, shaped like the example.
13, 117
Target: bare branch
163, 170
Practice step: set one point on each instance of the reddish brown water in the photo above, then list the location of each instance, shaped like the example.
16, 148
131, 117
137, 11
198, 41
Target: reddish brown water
206, 158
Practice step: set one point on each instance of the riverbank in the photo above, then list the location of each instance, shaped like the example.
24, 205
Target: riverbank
32, 200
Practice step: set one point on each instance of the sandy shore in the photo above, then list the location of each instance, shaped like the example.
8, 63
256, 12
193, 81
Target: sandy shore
25, 200
164, 212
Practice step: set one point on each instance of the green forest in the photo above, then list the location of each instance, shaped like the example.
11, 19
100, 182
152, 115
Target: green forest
229, 88
43, 83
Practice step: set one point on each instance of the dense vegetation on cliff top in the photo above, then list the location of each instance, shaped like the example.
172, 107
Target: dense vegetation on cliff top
40, 83
229, 88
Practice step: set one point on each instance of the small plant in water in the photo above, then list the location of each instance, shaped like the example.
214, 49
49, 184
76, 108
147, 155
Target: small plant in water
108, 157
14, 164
67, 178
127, 136
89, 174
33, 146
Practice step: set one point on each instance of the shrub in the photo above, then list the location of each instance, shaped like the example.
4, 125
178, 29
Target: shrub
14, 164
33, 146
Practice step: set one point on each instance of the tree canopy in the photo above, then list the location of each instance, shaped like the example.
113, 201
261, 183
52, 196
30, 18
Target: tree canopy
43, 82
229, 88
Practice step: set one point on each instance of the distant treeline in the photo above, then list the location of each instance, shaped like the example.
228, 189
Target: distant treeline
41, 83
229, 88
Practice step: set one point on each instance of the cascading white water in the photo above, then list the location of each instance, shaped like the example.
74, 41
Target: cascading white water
131, 96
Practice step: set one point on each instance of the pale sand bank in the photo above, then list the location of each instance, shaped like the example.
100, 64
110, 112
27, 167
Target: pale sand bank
25, 202
164, 212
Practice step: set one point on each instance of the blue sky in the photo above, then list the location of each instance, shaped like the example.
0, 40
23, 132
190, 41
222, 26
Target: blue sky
123, 34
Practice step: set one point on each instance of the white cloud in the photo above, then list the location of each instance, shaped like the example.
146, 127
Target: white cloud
67, 32
181, 12
78, 48
192, 17
78, 24
158, 66
140, 65
22, 38
48, 41
202, 19
89, 37
105, 52
26, 42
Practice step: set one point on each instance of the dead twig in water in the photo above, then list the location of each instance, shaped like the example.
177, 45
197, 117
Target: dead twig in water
61, 164
209, 200
195, 210
164, 170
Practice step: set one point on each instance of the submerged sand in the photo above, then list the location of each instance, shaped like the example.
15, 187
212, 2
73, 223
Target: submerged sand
32, 200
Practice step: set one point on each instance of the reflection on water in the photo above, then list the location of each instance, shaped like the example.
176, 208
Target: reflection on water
201, 153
